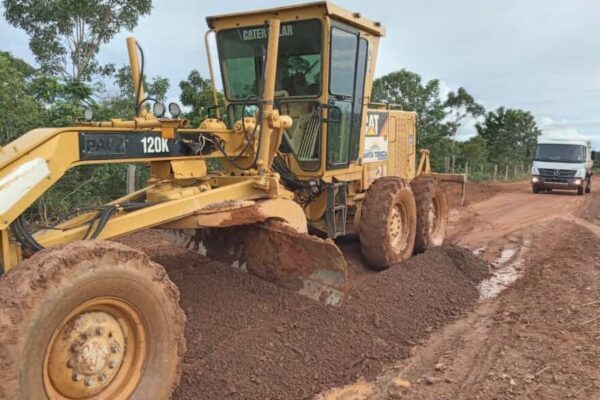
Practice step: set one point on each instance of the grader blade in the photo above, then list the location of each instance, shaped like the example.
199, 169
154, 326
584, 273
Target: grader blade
306, 264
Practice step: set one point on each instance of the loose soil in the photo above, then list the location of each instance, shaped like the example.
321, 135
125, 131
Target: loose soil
248, 339
540, 338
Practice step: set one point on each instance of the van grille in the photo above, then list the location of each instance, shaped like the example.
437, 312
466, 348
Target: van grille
557, 175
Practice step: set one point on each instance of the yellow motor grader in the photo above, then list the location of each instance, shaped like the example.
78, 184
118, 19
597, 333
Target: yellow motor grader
304, 159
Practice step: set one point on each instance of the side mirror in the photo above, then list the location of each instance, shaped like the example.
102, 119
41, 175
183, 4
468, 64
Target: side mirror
593, 156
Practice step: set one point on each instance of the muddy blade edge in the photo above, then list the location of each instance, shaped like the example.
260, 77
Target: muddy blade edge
306, 264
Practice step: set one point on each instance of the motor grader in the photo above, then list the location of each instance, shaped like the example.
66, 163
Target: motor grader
304, 159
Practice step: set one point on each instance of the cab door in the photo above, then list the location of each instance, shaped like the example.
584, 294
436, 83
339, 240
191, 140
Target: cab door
348, 61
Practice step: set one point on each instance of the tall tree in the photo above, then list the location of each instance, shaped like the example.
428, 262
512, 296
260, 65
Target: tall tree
123, 104
66, 35
196, 93
460, 105
510, 135
19, 109
408, 90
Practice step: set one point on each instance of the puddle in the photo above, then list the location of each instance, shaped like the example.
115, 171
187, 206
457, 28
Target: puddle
505, 270
479, 251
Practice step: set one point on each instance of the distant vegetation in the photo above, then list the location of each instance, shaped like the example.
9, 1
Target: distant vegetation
66, 37
503, 136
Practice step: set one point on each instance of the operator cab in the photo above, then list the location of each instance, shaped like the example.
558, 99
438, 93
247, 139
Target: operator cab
324, 70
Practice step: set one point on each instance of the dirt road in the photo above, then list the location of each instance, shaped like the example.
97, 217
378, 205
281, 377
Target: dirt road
430, 324
540, 338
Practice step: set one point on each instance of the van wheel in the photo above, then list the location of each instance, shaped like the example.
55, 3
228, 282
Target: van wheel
580, 191
388, 223
588, 187
535, 189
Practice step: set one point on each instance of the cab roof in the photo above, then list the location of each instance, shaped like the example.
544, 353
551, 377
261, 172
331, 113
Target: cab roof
338, 13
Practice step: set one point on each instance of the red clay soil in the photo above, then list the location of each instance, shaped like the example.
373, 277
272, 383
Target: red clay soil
247, 339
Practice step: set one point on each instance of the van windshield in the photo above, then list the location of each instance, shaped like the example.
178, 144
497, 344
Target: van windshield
567, 153
242, 53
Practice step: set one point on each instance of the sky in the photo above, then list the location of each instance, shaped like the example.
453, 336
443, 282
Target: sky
538, 55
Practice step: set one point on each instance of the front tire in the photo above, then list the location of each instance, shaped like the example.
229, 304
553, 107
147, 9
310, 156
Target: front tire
388, 223
588, 187
535, 189
90, 319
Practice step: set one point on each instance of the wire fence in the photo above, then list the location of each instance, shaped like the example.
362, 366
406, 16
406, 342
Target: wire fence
489, 172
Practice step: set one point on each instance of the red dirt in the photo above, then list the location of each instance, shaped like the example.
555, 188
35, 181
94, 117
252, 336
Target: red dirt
248, 339
540, 339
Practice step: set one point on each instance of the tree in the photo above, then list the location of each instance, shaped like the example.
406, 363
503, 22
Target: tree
66, 35
461, 105
123, 104
19, 109
196, 93
407, 89
474, 151
511, 135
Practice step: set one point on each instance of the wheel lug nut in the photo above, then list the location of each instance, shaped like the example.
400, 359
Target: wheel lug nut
102, 377
76, 377
112, 364
114, 348
89, 381
99, 331
71, 363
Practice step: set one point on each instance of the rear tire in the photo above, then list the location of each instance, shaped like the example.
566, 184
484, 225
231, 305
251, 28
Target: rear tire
388, 223
432, 213
90, 319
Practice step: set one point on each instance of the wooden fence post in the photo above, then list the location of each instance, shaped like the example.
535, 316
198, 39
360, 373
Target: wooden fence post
506, 174
495, 171
130, 186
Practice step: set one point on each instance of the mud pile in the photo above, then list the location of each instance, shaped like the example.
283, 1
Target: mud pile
248, 339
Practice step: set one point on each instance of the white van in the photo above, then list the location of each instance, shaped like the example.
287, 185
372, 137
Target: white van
564, 164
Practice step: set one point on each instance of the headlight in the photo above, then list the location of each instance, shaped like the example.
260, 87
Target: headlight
535, 179
88, 114
175, 110
159, 109
577, 181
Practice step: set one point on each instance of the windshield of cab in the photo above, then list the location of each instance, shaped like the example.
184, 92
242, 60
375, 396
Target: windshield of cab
242, 53
567, 153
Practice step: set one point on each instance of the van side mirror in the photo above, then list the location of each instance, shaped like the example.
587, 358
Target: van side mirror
593, 156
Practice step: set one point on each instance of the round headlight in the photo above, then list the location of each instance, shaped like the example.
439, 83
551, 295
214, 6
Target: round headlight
159, 109
174, 109
88, 114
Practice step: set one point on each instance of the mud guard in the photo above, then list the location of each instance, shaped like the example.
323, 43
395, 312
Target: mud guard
306, 264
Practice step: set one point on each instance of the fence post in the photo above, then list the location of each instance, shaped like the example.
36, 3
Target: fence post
495, 171
506, 174
130, 186
446, 164
467, 169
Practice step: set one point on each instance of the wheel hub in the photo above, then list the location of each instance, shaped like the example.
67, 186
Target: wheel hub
86, 355
398, 226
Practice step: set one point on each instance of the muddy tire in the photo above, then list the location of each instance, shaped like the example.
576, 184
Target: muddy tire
90, 319
388, 223
580, 191
535, 189
432, 213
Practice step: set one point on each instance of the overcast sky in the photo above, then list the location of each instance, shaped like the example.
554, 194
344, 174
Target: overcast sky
538, 55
